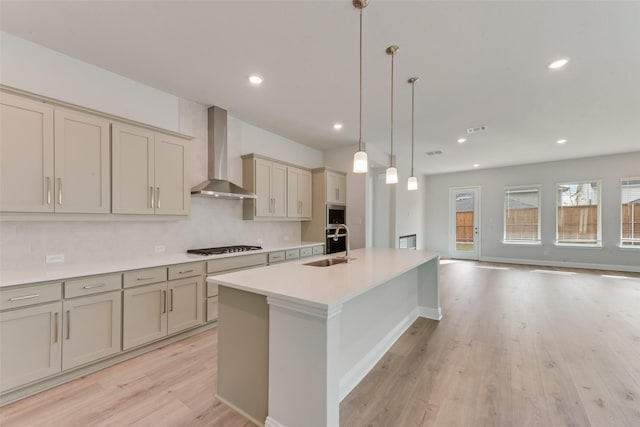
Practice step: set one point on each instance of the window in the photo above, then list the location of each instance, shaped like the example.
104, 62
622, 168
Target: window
522, 214
578, 213
630, 220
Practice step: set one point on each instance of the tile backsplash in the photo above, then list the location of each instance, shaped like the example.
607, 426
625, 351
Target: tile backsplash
213, 222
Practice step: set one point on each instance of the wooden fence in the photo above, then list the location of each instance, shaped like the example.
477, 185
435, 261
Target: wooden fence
577, 223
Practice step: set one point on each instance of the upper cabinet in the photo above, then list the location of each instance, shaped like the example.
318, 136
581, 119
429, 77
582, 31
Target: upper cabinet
336, 187
268, 180
149, 172
298, 193
53, 160
55, 157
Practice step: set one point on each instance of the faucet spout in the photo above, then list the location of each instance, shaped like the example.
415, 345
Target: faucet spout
335, 238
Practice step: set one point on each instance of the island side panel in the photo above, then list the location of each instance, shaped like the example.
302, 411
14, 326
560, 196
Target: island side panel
243, 352
429, 289
371, 323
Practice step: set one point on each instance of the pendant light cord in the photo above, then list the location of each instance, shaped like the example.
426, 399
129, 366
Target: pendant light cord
392, 57
360, 128
413, 86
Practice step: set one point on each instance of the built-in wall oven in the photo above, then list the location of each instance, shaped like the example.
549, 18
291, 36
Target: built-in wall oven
336, 215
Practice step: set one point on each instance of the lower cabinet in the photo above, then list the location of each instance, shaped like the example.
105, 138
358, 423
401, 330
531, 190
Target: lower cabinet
92, 328
154, 311
31, 340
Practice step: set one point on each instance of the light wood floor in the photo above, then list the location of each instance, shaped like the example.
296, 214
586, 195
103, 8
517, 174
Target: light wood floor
515, 348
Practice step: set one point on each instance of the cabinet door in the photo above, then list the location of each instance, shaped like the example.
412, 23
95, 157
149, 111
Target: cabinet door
185, 304
279, 189
304, 193
133, 190
293, 199
336, 188
82, 163
171, 187
91, 329
30, 348
264, 203
26, 155
342, 189
144, 314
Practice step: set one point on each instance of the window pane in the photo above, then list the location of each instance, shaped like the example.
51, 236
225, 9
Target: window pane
630, 192
522, 214
578, 213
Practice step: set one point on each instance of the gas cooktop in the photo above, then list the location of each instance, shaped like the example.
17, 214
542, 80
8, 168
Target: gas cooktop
223, 250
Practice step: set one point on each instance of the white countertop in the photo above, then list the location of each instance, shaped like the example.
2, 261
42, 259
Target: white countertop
56, 272
326, 286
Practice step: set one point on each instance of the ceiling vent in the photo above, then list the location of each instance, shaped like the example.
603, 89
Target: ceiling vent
476, 129
434, 153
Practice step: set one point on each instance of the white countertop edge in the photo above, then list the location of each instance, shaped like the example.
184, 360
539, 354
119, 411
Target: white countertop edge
60, 272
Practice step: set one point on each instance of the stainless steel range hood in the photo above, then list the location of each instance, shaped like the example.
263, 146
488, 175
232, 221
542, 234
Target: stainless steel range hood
217, 185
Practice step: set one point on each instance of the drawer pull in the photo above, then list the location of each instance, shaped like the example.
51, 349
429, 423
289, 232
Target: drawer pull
144, 278
24, 297
97, 285
185, 272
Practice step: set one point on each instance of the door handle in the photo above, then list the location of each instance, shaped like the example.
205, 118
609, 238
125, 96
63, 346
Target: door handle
55, 332
171, 294
59, 191
164, 302
68, 324
48, 190
158, 197
151, 196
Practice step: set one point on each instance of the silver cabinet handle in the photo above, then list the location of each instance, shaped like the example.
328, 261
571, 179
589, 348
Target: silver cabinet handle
24, 297
144, 278
55, 332
171, 294
59, 190
158, 197
151, 196
97, 285
164, 302
68, 324
48, 190
185, 272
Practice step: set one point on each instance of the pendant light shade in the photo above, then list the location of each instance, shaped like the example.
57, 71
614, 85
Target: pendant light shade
360, 162
392, 172
412, 183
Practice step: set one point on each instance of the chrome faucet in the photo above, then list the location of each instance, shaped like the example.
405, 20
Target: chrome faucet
335, 239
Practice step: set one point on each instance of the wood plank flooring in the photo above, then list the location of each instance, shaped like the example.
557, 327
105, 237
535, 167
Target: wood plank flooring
515, 348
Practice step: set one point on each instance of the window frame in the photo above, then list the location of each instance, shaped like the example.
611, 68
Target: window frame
598, 242
505, 241
622, 240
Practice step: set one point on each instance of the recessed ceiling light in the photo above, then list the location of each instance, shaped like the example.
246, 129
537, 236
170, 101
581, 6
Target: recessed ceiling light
337, 126
462, 140
475, 165
558, 63
255, 79
561, 141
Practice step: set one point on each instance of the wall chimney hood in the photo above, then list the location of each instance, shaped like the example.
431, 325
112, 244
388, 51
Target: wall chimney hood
217, 185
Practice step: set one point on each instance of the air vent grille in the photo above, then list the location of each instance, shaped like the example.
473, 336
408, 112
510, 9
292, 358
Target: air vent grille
434, 153
477, 129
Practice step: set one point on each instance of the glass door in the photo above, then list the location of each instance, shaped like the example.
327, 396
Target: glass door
465, 225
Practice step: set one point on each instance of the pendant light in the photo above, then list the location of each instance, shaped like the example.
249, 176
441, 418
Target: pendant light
392, 172
360, 162
412, 183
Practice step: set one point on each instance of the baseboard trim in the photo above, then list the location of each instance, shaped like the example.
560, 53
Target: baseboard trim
272, 423
67, 376
244, 414
565, 264
430, 313
351, 379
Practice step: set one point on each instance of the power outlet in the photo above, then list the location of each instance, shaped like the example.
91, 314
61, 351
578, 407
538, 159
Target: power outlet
159, 249
55, 258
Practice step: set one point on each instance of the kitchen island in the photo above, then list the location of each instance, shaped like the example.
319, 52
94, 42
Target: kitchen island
295, 339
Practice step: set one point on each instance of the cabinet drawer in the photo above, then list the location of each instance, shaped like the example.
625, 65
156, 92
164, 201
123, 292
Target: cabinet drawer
92, 285
292, 254
318, 250
186, 270
212, 289
305, 252
276, 257
144, 277
212, 309
236, 262
30, 295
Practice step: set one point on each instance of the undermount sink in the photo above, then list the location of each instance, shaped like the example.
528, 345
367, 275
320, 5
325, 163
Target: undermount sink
328, 262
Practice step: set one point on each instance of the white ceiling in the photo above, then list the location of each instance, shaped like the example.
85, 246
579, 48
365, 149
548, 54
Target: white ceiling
479, 63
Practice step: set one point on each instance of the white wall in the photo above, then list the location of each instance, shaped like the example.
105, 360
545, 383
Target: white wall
609, 169
24, 244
